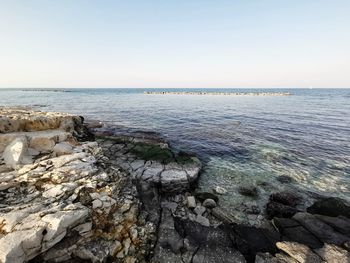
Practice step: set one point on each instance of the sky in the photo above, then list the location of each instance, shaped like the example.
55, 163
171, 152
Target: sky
179, 43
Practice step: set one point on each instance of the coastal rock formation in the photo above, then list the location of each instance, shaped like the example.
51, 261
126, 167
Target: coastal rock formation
60, 204
131, 199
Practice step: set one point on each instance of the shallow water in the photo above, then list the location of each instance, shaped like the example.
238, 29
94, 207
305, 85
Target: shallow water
241, 140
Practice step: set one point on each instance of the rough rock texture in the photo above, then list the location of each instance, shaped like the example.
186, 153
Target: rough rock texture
131, 199
64, 205
153, 163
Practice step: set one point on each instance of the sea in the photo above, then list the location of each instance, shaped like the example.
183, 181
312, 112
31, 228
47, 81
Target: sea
241, 140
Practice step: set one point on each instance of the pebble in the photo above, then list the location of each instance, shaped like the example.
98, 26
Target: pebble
220, 190
191, 202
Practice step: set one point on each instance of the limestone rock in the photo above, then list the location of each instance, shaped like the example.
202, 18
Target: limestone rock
333, 253
300, 252
16, 152
63, 148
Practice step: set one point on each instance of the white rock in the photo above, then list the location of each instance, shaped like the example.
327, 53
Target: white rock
220, 190
15, 153
191, 202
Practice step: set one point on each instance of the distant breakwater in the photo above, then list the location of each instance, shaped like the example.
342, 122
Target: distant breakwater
218, 93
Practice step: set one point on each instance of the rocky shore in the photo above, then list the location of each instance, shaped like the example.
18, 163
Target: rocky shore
69, 193
218, 93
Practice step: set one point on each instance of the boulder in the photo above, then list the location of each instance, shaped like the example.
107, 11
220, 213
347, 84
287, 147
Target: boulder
332, 206
16, 153
274, 209
320, 229
341, 224
209, 203
291, 230
286, 198
201, 196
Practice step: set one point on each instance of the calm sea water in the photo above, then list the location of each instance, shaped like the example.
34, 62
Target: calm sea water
241, 140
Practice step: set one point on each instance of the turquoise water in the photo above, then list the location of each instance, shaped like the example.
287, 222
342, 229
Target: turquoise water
241, 140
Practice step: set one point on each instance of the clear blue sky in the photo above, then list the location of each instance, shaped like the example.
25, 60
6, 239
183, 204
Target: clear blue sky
179, 43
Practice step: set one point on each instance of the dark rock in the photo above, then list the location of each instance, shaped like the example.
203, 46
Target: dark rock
321, 230
332, 206
207, 244
268, 258
209, 203
149, 196
84, 196
301, 235
286, 198
250, 190
207, 254
282, 223
341, 224
251, 240
201, 196
274, 209
284, 179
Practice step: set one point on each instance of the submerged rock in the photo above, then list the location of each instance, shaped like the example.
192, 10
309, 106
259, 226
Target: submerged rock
248, 190
220, 190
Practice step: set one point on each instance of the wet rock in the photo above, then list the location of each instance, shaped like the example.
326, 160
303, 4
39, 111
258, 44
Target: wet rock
321, 230
299, 252
251, 240
209, 203
201, 196
341, 224
332, 253
286, 198
191, 202
332, 206
291, 230
274, 209
220, 190
249, 190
